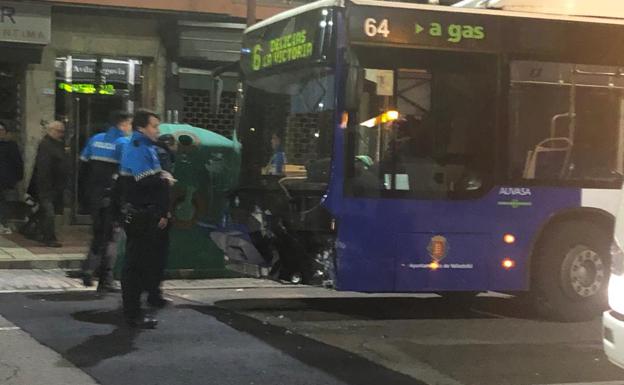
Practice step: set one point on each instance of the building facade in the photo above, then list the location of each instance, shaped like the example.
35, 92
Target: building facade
78, 60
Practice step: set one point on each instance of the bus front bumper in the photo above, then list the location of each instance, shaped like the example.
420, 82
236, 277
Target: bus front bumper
613, 337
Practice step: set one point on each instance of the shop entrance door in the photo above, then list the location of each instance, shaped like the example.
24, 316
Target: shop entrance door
90, 115
10, 97
89, 89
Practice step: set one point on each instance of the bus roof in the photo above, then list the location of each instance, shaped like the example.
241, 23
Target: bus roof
488, 11
613, 9
580, 39
296, 11
599, 16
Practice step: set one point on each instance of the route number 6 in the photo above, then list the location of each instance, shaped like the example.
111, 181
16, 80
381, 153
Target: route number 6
372, 28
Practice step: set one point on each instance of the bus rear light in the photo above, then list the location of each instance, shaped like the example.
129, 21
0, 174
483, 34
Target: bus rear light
509, 239
508, 263
344, 120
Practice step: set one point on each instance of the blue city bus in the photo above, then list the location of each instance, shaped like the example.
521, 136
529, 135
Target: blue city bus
398, 147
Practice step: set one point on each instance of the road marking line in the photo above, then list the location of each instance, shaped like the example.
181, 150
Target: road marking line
9, 328
494, 315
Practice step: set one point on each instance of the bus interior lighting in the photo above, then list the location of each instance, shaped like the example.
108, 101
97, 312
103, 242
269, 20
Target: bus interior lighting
386, 117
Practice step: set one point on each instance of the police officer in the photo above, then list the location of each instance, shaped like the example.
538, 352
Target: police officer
145, 192
165, 149
102, 156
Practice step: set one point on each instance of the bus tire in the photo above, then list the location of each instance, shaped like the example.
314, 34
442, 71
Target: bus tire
571, 269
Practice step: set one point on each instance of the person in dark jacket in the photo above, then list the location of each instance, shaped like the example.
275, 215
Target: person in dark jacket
49, 181
145, 191
11, 172
102, 156
165, 149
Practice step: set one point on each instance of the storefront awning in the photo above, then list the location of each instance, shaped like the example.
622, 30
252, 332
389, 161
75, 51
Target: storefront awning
215, 42
20, 53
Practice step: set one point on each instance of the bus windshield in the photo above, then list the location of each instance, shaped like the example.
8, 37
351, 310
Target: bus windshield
286, 128
441, 144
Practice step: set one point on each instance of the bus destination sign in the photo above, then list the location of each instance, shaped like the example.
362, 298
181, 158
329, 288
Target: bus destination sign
281, 50
426, 28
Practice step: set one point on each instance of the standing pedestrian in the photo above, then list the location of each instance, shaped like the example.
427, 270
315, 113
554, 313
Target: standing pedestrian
102, 156
145, 188
11, 172
49, 181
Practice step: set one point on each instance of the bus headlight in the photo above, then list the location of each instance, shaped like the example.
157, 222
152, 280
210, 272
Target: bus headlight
616, 293
616, 282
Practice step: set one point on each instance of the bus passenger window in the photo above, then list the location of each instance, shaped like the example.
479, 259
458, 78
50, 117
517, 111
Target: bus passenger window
431, 136
287, 128
565, 122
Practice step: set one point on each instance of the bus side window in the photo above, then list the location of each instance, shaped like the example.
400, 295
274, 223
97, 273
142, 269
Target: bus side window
565, 122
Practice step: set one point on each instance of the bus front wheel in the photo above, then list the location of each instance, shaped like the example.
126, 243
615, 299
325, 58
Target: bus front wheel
571, 271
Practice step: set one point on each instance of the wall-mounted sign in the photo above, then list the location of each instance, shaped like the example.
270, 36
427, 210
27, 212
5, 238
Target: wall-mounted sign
88, 89
25, 23
84, 70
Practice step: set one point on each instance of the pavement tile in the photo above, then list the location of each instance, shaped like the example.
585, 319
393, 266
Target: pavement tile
37, 280
16, 251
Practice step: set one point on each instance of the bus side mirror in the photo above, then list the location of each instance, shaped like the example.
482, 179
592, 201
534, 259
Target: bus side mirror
216, 90
354, 88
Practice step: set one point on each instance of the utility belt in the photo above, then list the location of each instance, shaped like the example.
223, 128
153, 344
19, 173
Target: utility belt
140, 220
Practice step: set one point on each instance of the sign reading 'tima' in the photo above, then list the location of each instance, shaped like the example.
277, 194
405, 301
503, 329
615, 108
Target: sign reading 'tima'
25, 23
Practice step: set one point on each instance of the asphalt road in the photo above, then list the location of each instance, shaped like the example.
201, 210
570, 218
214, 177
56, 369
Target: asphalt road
300, 336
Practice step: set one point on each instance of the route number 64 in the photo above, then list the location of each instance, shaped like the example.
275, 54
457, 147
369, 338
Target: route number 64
373, 28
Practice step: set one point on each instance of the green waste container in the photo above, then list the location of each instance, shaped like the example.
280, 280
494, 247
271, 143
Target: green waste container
207, 165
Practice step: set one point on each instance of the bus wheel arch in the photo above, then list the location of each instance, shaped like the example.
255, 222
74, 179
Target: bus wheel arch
569, 265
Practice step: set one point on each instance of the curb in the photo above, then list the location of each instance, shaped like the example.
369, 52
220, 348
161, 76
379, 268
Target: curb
41, 264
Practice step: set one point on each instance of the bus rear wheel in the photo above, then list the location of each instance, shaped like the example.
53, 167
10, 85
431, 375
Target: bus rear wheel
571, 271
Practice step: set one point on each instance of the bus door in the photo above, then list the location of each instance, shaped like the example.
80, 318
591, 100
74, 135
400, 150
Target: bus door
422, 158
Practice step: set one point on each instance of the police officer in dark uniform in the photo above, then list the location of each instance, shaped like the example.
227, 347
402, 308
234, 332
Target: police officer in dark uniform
165, 149
102, 156
144, 196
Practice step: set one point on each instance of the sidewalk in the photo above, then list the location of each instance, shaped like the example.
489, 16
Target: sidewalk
55, 280
23, 360
17, 252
